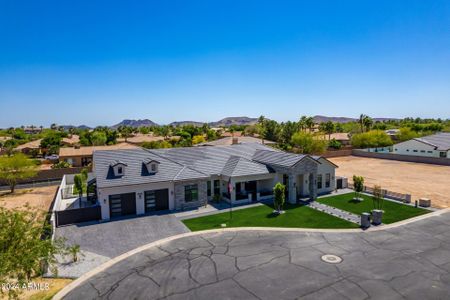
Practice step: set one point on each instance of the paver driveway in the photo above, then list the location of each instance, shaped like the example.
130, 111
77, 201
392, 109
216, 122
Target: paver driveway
411, 261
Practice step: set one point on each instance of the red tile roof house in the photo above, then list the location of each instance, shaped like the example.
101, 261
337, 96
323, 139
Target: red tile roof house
139, 181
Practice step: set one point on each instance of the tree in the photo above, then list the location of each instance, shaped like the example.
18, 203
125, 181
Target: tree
16, 167
79, 185
371, 139
98, 138
309, 122
358, 186
328, 128
335, 144
361, 121
308, 144
377, 197
406, 134
279, 196
24, 248
165, 131
125, 131
368, 122
262, 127
198, 139
287, 131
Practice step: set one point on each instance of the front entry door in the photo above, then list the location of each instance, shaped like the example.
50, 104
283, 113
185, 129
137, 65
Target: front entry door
286, 184
251, 188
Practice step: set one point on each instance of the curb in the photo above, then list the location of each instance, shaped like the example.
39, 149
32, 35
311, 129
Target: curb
62, 293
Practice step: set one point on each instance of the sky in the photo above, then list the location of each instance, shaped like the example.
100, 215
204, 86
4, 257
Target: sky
98, 62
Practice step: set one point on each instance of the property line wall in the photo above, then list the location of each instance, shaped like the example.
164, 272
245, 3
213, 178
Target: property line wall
400, 157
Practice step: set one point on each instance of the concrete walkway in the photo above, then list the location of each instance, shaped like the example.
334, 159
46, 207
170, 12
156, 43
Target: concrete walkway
336, 212
403, 262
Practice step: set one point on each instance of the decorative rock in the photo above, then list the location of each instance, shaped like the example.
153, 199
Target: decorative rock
377, 215
365, 220
424, 202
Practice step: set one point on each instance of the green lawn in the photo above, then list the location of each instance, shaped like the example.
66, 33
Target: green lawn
393, 212
261, 216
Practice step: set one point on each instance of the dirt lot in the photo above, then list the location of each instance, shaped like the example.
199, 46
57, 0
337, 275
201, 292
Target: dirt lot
419, 180
37, 198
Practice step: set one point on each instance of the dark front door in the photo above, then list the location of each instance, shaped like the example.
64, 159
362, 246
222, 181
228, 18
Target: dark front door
339, 183
156, 200
251, 188
286, 184
122, 204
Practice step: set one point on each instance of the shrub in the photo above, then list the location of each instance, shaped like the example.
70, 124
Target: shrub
279, 196
308, 143
61, 165
334, 144
358, 185
371, 139
377, 197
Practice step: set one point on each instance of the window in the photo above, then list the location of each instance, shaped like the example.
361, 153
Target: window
153, 167
150, 200
209, 188
327, 180
319, 181
422, 151
119, 170
407, 150
442, 154
430, 151
414, 150
191, 193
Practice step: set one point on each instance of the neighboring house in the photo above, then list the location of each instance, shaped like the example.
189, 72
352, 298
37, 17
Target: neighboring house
235, 140
342, 137
436, 145
143, 138
138, 181
82, 156
27, 148
71, 141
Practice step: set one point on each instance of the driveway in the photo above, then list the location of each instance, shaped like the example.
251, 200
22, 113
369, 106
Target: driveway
411, 261
101, 241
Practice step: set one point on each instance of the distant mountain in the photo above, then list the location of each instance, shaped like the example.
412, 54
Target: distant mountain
182, 123
82, 127
135, 123
321, 119
234, 121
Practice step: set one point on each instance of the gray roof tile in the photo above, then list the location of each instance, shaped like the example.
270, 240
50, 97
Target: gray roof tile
439, 140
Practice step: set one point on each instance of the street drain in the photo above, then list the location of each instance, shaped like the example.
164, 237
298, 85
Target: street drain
331, 259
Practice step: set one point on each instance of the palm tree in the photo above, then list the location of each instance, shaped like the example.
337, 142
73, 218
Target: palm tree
53, 126
368, 122
302, 123
41, 128
309, 123
262, 124
361, 121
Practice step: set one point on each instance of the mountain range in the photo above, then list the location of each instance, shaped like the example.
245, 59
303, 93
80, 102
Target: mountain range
322, 119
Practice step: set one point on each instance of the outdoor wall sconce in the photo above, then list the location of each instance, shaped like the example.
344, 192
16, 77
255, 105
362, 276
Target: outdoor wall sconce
104, 201
139, 195
171, 192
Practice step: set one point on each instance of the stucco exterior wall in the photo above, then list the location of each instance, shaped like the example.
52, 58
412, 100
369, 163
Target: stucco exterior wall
413, 147
104, 193
326, 168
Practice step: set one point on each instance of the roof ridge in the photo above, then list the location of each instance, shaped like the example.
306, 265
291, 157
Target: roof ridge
178, 163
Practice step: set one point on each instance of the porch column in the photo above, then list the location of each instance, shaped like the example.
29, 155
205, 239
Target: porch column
291, 188
313, 186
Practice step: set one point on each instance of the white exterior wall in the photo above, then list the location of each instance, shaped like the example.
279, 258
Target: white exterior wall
326, 168
104, 193
408, 147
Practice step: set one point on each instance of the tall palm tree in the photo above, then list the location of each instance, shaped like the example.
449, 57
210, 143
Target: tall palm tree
302, 123
310, 123
361, 121
368, 122
262, 124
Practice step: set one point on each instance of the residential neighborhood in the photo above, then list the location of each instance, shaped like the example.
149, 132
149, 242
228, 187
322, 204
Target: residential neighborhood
224, 150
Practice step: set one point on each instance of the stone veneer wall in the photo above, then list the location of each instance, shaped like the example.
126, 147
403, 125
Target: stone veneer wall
179, 193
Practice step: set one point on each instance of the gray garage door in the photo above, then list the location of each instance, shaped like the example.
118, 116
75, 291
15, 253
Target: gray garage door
122, 205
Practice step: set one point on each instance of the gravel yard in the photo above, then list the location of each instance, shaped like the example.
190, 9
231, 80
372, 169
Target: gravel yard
419, 180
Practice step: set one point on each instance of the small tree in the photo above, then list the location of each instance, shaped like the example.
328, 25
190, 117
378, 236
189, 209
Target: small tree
16, 167
78, 182
279, 196
377, 197
358, 185
73, 251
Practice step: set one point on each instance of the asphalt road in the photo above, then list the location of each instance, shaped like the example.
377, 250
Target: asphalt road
411, 261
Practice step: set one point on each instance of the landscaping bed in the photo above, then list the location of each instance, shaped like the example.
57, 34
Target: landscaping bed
393, 212
295, 216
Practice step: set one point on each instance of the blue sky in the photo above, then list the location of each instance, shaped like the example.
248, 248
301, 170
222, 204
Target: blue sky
98, 62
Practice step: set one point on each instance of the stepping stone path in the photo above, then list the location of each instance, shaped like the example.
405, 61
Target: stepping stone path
335, 212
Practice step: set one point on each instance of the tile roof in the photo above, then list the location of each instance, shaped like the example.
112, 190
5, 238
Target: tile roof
241, 140
89, 150
192, 163
439, 140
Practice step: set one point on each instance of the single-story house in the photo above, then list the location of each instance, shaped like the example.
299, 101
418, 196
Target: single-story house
436, 145
139, 181
139, 139
82, 156
30, 146
71, 140
235, 140
342, 137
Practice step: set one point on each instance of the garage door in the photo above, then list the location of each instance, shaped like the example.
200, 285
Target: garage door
122, 205
156, 200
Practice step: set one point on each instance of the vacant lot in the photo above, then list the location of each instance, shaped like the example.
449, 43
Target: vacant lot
39, 198
419, 180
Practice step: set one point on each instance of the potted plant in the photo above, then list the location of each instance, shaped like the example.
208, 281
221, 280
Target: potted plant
378, 201
279, 198
358, 186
